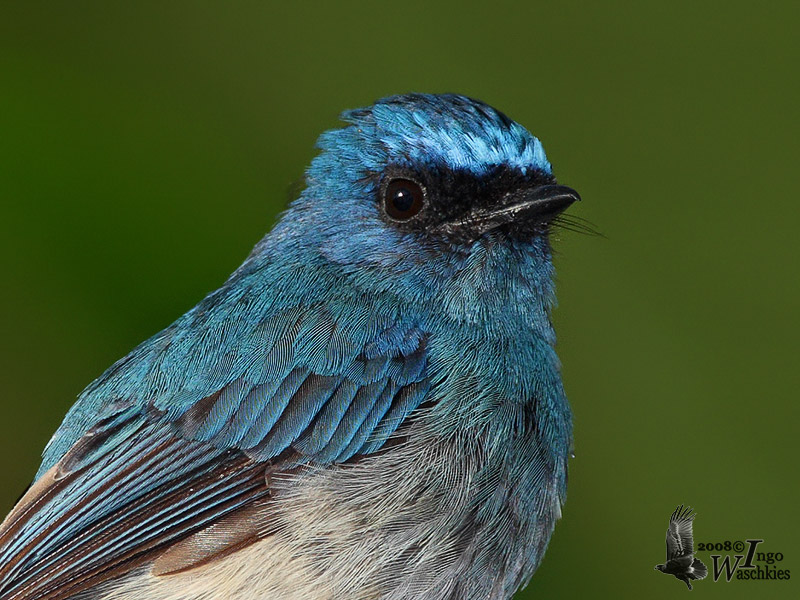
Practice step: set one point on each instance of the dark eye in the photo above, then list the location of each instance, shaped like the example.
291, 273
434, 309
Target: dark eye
403, 199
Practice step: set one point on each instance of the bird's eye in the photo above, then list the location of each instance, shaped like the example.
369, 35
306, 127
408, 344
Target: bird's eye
403, 199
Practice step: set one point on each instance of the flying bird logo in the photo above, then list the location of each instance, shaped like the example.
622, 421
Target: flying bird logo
680, 554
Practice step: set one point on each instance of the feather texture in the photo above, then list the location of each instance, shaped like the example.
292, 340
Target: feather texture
367, 408
143, 478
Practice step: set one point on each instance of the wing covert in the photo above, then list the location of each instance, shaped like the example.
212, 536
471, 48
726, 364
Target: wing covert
297, 387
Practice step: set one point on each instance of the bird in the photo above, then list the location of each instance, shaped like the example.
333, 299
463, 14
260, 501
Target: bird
370, 407
680, 548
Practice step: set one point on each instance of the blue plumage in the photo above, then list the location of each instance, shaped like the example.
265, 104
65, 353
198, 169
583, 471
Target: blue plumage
390, 337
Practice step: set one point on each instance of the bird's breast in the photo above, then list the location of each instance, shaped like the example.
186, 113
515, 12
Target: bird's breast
409, 523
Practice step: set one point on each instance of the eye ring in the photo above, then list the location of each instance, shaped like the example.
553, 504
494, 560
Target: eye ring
403, 199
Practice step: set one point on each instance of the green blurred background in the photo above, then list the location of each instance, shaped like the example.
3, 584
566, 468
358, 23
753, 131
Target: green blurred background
144, 148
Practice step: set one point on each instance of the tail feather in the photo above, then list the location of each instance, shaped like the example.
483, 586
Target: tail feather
698, 570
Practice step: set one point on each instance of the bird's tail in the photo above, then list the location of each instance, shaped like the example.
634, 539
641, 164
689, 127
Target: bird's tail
698, 570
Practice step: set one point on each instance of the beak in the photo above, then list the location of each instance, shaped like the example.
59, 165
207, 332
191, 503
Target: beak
529, 207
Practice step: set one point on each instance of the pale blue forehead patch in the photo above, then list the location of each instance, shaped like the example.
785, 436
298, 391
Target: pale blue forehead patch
450, 131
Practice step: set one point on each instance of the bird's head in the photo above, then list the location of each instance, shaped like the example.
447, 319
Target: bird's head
434, 196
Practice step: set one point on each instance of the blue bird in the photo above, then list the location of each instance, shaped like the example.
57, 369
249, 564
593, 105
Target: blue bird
370, 407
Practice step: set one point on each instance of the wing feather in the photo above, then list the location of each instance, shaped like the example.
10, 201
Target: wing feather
679, 533
153, 473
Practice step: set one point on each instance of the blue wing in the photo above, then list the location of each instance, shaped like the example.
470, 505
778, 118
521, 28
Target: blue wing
181, 433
